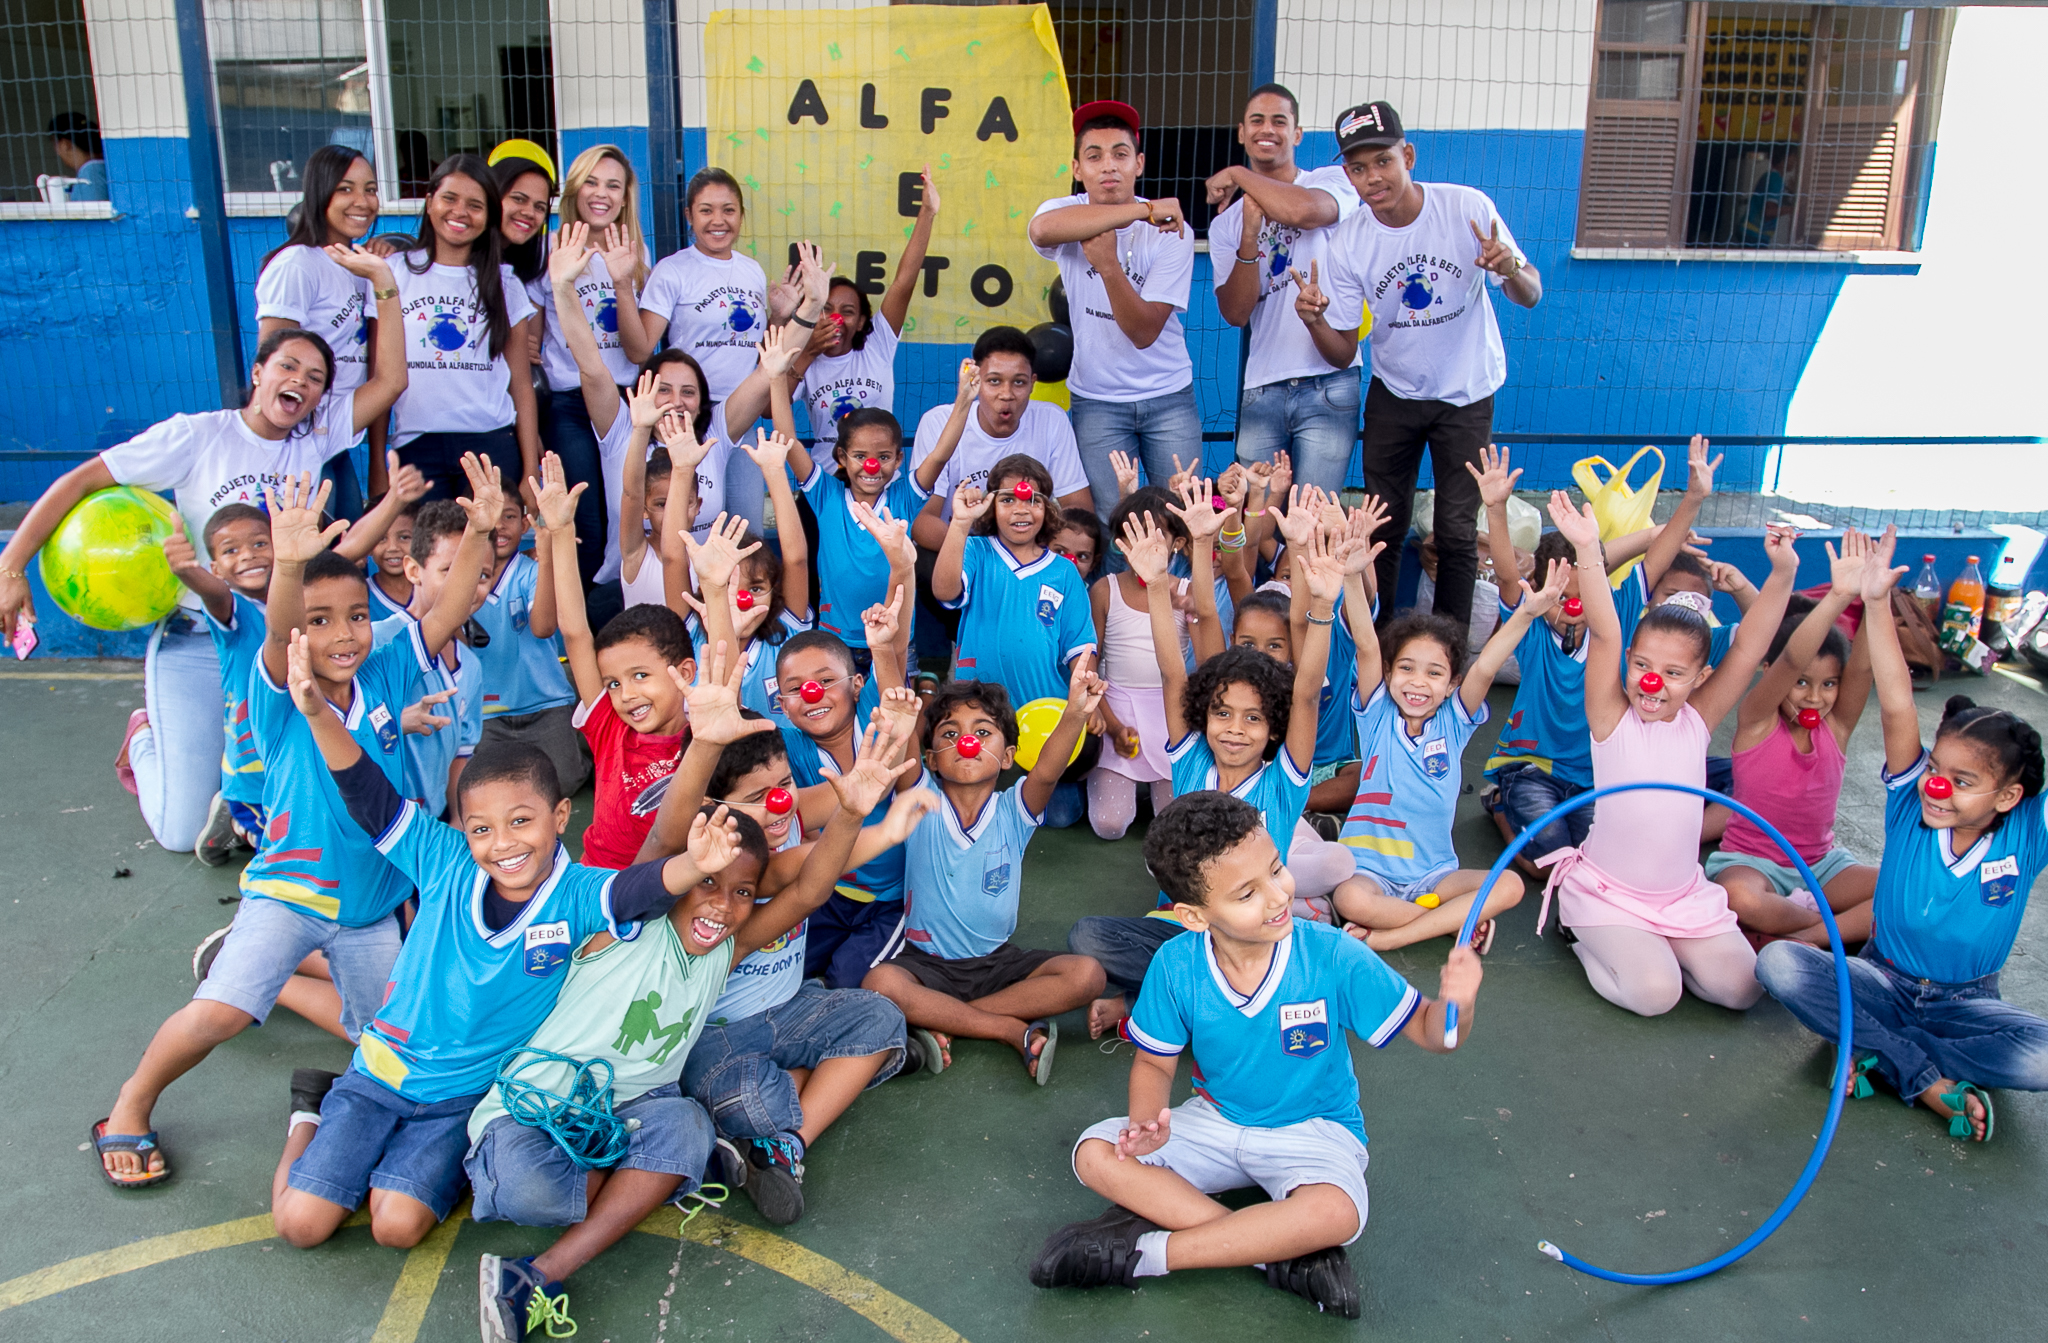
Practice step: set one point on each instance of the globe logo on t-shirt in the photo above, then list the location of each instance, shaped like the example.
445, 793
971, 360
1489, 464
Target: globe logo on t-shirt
446, 333
608, 314
1416, 293
362, 333
843, 405
1282, 255
739, 316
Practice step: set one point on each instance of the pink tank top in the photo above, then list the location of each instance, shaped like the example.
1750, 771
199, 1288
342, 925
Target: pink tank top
1649, 840
1127, 656
1797, 792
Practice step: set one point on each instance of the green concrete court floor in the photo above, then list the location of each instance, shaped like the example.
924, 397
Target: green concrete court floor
1639, 1144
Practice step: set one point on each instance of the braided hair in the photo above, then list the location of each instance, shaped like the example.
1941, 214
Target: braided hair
2004, 736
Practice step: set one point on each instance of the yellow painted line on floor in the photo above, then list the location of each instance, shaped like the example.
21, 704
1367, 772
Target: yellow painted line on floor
11, 675
407, 1308
89, 1268
864, 1297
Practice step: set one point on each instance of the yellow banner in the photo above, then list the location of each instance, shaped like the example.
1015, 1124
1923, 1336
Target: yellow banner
828, 117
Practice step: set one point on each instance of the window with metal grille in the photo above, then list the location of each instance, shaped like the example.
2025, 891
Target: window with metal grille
407, 82
1759, 127
46, 73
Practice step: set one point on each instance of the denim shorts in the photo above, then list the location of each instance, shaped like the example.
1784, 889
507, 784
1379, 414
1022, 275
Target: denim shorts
739, 1069
1408, 890
373, 1138
521, 1174
1213, 1154
1784, 877
268, 940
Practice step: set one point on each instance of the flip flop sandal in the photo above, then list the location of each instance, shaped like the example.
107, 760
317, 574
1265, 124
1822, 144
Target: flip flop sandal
1959, 1122
926, 1045
1482, 936
1859, 1081
1041, 1073
140, 1144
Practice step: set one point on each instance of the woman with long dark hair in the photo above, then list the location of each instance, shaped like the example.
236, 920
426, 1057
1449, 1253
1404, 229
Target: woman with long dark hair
468, 336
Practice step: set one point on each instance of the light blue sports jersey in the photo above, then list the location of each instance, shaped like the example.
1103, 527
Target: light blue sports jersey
522, 674
429, 757
853, 573
1020, 624
881, 879
771, 976
1277, 1057
382, 608
1632, 598
314, 858
239, 645
1279, 789
461, 995
759, 687
1945, 916
962, 882
1547, 726
1399, 828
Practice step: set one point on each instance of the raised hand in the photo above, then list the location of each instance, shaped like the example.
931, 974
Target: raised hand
486, 501
1845, 570
1195, 509
1699, 482
298, 676
620, 252
1146, 547
714, 699
404, 481
1126, 468
1496, 482
882, 620
970, 502
1084, 688
861, 789
814, 271
361, 261
1232, 485
715, 557
1374, 512
1878, 574
645, 411
1539, 601
179, 552
900, 708
768, 453
780, 347
1778, 546
571, 254
891, 533
910, 807
295, 532
1283, 472
679, 435
1320, 566
970, 382
1494, 255
420, 719
1579, 525
1143, 1139
714, 841
929, 209
784, 296
1357, 552
1310, 301
553, 500
1298, 523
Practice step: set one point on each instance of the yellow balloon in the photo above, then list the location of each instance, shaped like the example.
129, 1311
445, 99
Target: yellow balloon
1035, 722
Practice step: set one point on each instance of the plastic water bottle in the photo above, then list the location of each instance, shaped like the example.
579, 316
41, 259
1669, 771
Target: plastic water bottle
1927, 590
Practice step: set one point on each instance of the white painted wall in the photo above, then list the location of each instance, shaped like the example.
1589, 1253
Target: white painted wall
600, 63
137, 75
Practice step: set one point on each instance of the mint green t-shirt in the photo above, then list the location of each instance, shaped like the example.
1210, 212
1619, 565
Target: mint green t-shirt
637, 1005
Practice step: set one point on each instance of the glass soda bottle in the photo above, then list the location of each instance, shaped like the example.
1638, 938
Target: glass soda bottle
1927, 590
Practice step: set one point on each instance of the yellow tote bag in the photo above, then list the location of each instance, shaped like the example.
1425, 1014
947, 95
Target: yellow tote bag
1619, 507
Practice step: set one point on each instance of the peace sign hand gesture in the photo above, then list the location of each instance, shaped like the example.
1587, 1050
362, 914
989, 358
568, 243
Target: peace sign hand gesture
1309, 299
1495, 255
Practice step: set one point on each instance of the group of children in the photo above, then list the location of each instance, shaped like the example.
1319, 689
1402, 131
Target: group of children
803, 866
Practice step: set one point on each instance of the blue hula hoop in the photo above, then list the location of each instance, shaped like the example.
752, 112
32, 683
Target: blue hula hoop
1843, 1046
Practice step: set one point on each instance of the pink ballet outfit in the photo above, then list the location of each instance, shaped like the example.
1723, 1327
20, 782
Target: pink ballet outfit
1130, 671
1623, 875
1794, 790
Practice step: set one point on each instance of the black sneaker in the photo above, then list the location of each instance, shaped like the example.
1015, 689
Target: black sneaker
204, 953
310, 1087
921, 1053
1326, 825
216, 843
775, 1178
1102, 1252
1324, 1277
727, 1166
512, 1298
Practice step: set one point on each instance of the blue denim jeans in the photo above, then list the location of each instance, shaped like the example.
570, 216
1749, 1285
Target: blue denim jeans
1123, 946
521, 1174
1526, 793
566, 431
738, 1070
1152, 431
1920, 1031
1313, 420
177, 757
746, 493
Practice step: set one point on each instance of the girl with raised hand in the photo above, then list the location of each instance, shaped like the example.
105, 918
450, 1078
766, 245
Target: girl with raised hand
849, 362
1647, 923
1965, 837
1790, 733
468, 338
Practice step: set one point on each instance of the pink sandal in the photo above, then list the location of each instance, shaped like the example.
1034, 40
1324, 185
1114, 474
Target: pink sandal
124, 771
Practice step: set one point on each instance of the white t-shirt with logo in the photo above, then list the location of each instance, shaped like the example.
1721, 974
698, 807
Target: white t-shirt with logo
1434, 337
601, 309
1161, 267
716, 312
453, 384
1043, 432
611, 461
215, 458
1281, 347
305, 286
835, 386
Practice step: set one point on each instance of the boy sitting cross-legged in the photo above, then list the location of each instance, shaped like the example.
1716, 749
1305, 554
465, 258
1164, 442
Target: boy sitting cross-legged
501, 908
956, 972
1263, 1000
315, 884
637, 1006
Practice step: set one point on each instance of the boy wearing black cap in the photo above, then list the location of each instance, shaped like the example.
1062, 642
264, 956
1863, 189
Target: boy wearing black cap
1417, 261
1127, 263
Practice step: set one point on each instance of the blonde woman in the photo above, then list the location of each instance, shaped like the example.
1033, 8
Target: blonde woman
600, 191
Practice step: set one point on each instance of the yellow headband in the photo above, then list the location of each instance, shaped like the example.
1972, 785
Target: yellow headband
524, 149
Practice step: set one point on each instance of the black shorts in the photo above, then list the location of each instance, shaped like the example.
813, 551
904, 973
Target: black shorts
975, 976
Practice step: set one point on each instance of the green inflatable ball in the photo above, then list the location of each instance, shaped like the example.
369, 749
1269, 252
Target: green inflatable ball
105, 566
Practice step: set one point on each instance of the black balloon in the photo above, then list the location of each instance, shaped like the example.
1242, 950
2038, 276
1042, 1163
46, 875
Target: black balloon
1052, 351
1056, 301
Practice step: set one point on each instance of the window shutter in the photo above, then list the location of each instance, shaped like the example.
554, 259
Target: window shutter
1638, 154
1853, 188
1631, 178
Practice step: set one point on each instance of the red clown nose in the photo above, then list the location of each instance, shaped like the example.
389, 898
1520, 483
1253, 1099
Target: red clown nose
1573, 607
1021, 491
1809, 719
968, 747
810, 692
1650, 683
1938, 788
871, 466
744, 599
779, 801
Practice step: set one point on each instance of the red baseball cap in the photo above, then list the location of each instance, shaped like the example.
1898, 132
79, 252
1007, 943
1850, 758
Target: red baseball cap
1107, 107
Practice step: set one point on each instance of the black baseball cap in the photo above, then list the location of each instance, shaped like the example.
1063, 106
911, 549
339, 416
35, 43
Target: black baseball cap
1368, 126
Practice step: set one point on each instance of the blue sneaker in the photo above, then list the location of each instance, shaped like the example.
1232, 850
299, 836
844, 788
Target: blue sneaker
775, 1178
513, 1300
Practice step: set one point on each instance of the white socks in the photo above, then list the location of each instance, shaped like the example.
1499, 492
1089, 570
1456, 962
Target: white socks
301, 1117
1152, 1254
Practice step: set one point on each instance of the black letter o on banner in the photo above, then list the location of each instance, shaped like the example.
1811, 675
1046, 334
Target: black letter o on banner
991, 286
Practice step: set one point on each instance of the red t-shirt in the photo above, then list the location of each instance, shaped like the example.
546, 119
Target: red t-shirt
632, 773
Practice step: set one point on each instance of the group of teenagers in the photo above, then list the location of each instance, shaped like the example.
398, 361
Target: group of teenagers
803, 864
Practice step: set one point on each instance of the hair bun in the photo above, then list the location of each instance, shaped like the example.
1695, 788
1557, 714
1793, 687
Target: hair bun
1956, 704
